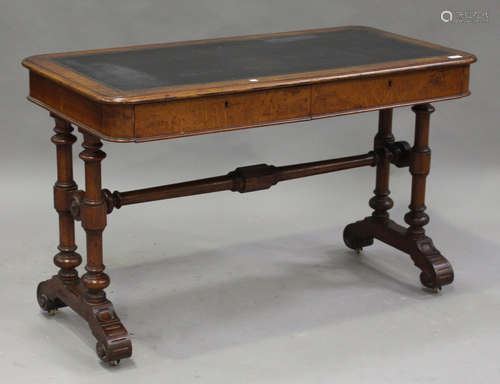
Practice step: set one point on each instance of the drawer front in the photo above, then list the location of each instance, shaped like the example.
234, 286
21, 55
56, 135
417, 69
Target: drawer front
216, 113
358, 94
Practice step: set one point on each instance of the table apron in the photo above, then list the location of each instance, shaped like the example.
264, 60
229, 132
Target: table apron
216, 113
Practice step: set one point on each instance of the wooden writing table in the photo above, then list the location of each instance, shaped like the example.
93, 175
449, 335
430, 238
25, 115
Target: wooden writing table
163, 91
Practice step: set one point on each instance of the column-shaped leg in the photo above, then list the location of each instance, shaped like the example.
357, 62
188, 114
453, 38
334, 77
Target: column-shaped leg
357, 235
112, 337
381, 202
93, 219
436, 270
67, 259
420, 163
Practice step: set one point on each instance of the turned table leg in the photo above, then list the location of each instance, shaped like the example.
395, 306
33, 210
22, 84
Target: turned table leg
381, 202
67, 259
357, 236
113, 342
85, 295
93, 218
419, 168
436, 270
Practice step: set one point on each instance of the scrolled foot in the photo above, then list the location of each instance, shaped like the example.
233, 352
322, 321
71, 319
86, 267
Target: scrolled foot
436, 269
113, 343
356, 236
47, 299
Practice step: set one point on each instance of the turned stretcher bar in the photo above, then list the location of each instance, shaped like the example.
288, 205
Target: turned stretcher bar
247, 179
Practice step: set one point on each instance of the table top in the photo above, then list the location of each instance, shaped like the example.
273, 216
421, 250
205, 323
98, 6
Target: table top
170, 71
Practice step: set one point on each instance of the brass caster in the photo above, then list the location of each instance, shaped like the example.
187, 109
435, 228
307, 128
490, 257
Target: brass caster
358, 250
114, 363
52, 312
436, 290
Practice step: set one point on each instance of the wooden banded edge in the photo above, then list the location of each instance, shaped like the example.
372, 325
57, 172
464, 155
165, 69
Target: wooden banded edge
45, 66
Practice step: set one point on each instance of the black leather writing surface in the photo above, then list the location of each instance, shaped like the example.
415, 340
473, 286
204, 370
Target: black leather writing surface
159, 67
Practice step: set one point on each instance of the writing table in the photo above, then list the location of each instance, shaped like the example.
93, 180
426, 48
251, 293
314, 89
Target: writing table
164, 91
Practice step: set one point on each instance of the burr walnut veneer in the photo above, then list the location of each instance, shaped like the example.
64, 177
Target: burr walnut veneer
163, 91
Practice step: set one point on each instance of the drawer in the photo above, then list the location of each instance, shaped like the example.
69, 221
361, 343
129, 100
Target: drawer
353, 95
215, 113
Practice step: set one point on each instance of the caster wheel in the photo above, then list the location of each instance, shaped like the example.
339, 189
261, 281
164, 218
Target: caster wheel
52, 312
102, 352
111, 352
105, 355
358, 250
430, 283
